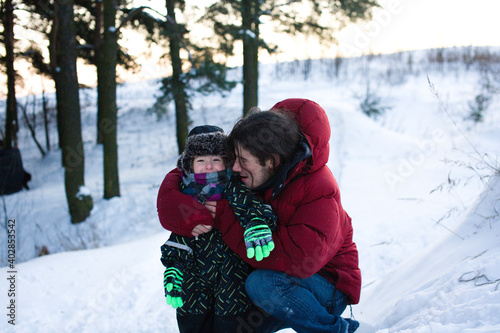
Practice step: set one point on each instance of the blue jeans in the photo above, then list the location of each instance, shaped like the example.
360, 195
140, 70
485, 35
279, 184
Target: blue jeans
305, 305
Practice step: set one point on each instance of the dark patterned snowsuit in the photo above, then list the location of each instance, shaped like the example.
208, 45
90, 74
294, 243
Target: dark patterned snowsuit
213, 290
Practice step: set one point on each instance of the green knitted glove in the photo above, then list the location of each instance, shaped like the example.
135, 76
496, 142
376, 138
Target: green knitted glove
246, 206
258, 239
172, 281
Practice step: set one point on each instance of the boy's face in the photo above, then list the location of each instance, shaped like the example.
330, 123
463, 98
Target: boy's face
208, 163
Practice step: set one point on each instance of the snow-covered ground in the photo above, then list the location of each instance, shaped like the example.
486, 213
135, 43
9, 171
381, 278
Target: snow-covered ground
419, 183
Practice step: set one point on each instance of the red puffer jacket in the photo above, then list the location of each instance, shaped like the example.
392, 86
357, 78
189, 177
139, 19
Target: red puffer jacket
314, 233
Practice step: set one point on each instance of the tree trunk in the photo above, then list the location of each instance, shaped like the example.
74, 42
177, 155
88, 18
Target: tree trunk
107, 100
45, 120
250, 22
178, 85
11, 120
53, 55
68, 109
98, 62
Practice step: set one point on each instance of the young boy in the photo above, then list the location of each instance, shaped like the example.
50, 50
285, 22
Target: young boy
204, 280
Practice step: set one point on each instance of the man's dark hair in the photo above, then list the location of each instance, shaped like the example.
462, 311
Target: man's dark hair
266, 135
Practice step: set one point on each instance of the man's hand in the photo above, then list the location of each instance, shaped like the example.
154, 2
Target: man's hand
201, 229
172, 282
258, 239
211, 206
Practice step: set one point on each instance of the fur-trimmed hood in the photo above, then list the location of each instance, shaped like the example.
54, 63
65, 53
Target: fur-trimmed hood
206, 140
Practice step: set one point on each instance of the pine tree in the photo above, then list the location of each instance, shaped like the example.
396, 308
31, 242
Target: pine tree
178, 85
68, 112
200, 74
11, 120
108, 125
236, 20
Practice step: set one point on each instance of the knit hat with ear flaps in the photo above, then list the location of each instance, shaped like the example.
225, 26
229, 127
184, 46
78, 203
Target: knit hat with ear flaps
202, 141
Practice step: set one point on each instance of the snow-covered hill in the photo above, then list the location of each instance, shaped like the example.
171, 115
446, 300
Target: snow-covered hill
453, 285
417, 182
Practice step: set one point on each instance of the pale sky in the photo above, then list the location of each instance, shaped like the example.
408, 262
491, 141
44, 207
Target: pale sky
422, 24
417, 24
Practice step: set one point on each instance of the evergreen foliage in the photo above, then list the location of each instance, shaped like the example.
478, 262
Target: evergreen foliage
240, 20
205, 77
200, 74
371, 104
483, 99
85, 19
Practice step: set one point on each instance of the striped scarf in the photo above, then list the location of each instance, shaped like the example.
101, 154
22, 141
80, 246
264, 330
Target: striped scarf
205, 186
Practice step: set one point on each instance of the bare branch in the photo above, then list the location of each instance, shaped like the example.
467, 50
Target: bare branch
31, 127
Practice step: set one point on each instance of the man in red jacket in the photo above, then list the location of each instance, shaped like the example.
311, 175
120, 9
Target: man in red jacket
312, 273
